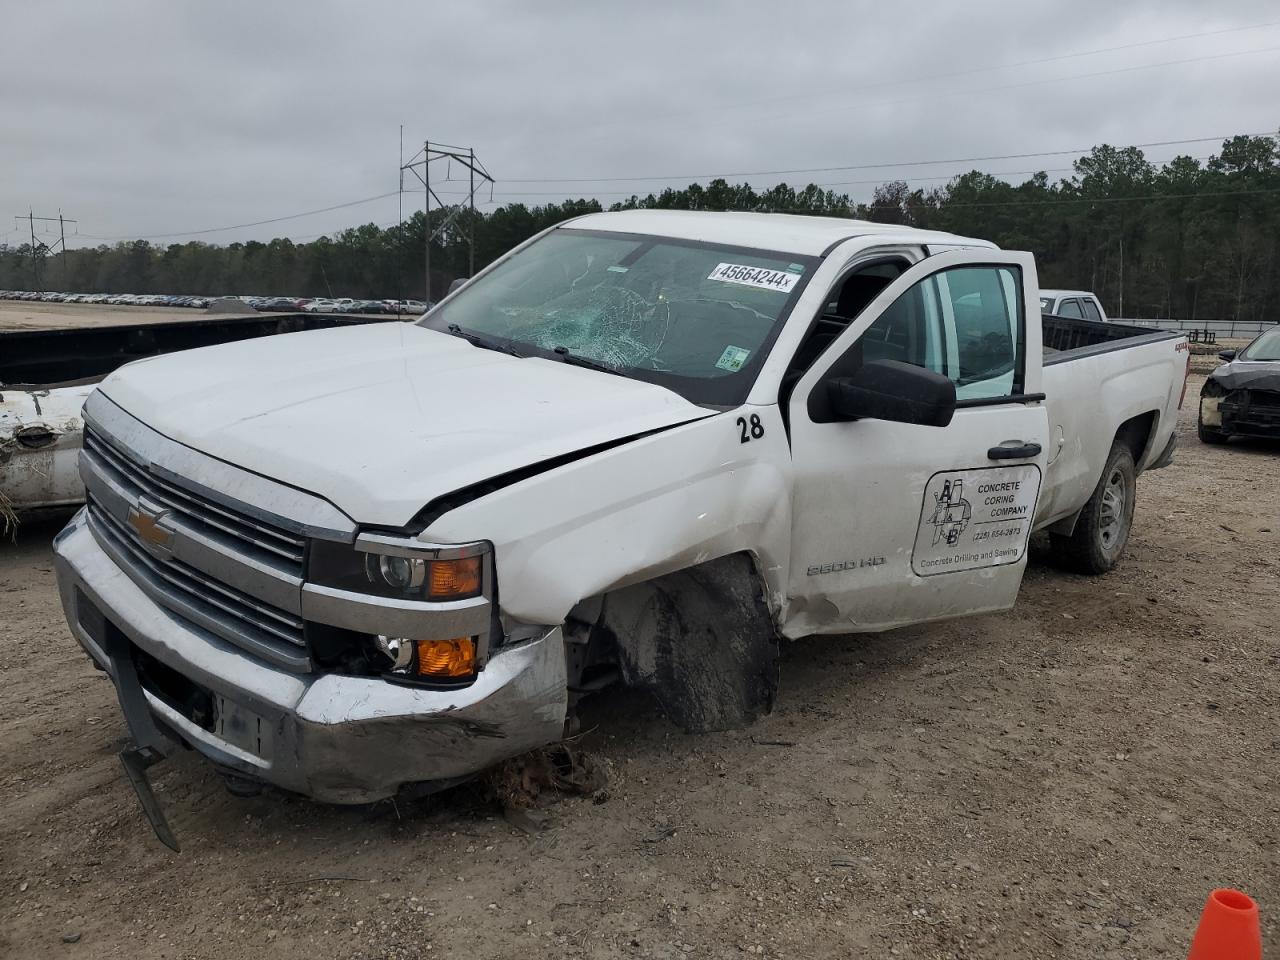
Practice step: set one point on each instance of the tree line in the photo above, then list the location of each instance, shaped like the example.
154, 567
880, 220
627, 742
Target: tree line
1185, 238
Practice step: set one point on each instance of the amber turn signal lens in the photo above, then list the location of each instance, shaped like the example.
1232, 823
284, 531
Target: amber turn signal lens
454, 579
447, 658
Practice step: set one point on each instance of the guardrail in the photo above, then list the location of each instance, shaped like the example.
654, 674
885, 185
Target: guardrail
1228, 329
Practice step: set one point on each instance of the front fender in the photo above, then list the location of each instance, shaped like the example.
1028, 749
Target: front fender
662, 503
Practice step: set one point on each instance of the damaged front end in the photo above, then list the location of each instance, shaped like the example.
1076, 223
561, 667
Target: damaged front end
1242, 402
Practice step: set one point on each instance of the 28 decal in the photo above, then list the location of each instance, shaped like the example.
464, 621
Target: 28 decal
753, 430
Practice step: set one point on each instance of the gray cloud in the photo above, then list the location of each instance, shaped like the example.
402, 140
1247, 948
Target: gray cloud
144, 117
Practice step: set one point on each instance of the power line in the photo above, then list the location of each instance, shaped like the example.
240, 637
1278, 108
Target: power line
1143, 199
691, 177
817, 183
256, 223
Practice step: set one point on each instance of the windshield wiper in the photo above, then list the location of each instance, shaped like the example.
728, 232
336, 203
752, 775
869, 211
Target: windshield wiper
570, 358
478, 341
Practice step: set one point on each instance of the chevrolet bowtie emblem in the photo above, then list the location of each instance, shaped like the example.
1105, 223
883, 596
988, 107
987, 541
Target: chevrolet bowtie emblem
146, 519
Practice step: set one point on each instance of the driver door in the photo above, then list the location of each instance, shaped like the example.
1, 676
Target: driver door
898, 523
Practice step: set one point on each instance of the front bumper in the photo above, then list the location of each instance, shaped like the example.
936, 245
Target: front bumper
340, 739
1243, 413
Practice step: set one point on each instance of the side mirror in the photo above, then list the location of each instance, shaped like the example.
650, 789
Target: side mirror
891, 390
1227, 355
460, 282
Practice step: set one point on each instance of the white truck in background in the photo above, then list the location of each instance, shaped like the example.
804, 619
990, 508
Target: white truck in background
641, 447
1073, 304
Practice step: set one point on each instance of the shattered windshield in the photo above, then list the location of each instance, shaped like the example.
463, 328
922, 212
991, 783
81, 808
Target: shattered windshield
1265, 347
697, 318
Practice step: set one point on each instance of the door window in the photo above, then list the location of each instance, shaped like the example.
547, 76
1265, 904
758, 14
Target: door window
1091, 310
1070, 308
964, 323
986, 321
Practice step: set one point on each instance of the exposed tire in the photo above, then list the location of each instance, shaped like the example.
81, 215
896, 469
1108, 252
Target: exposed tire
1102, 531
701, 640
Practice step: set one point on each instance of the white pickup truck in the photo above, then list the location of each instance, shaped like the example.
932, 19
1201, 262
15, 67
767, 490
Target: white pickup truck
1078, 304
639, 448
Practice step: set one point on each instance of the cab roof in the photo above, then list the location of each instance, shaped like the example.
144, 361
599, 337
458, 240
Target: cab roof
783, 232
1067, 293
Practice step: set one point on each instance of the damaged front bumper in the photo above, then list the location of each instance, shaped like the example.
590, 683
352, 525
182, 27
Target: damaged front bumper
336, 738
1250, 413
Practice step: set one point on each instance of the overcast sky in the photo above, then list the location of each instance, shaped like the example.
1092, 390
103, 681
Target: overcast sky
153, 117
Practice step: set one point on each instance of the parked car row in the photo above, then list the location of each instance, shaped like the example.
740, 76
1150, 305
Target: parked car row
348, 305
132, 299
265, 304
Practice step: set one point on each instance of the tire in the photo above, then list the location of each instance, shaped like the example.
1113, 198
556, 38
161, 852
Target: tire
1102, 530
1210, 435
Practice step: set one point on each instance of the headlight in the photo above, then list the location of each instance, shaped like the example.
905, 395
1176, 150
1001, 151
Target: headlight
402, 640
1212, 388
400, 568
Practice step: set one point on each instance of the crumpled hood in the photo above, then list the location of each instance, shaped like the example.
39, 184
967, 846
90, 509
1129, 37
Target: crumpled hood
383, 418
1248, 375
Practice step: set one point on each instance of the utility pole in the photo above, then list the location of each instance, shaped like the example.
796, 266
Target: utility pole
420, 166
471, 243
426, 201
39, 248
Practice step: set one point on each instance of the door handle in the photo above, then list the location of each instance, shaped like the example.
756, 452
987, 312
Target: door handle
1014, 450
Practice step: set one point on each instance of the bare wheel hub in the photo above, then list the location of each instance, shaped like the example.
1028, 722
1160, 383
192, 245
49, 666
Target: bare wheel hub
1114, 523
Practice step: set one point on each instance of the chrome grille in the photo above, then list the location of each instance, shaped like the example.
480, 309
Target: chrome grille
253, 533
266, 562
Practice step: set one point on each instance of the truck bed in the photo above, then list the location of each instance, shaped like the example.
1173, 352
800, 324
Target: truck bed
1098, 376
1068, 338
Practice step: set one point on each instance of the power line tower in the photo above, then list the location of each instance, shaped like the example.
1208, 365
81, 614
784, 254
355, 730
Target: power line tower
477, 176
40, 249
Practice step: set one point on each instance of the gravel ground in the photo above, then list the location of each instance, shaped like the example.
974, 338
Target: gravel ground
27, 315
1068, 779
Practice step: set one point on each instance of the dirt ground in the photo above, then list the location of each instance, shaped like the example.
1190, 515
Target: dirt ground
28, 315
1068, 779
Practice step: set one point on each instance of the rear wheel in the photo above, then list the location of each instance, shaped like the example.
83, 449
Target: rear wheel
1102, 530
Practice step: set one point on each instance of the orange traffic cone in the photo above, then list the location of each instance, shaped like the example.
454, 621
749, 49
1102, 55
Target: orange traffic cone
1228, 929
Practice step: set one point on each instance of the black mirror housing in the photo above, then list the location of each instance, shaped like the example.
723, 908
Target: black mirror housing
891, 390
1227, 355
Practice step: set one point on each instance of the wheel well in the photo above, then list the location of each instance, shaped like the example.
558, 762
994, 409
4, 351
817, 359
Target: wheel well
700, 639
1135, 434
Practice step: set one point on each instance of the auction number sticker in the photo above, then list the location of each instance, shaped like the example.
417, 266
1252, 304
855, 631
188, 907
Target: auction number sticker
975, 518
763, 278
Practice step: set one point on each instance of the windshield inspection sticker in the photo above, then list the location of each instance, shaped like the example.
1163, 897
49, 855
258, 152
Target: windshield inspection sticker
975, 518
732, 359
762, 277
